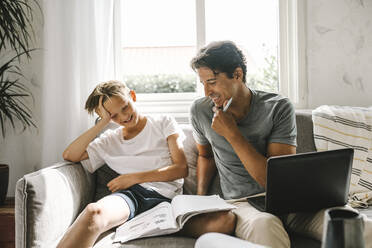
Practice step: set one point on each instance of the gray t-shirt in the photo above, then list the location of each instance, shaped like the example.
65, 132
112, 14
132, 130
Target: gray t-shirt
271, 119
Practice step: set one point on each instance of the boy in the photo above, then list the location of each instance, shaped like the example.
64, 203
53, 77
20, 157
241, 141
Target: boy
147, 152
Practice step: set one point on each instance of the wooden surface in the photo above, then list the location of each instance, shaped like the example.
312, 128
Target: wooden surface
7, 224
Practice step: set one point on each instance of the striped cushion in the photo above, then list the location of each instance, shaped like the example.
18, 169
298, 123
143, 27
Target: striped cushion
337, 127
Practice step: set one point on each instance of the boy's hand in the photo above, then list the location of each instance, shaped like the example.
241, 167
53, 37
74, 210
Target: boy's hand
122, 182
102, 112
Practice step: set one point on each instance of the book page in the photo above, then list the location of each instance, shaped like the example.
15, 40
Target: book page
186, 206
155, 221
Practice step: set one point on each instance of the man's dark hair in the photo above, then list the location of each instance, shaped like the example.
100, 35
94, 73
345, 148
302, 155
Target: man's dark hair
220, 56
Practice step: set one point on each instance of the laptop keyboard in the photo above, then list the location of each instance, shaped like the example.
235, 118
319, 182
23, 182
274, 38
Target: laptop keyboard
257, 202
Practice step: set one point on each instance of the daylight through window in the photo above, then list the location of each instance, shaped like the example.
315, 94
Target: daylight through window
158, 39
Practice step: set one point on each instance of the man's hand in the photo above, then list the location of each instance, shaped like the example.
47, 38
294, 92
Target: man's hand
122, 182
224, 123
102, 112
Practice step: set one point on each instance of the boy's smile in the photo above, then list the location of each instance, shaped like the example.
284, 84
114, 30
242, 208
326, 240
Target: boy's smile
122, 111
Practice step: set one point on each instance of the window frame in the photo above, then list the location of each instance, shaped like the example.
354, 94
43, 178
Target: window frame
291, 57
292, 51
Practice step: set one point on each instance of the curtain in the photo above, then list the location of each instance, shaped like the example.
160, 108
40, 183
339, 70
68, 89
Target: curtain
78, 54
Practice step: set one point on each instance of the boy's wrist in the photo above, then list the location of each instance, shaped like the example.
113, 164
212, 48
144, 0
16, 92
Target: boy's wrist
103, 122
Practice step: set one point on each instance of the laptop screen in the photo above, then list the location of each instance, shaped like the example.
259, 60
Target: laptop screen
309, 181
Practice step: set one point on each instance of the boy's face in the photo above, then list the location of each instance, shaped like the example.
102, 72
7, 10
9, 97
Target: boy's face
122, 110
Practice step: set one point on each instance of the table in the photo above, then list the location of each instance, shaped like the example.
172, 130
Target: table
7, 224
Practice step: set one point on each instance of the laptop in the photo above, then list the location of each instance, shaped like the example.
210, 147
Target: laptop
306, 182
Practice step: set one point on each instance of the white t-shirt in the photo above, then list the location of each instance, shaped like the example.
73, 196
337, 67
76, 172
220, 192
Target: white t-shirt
146, 151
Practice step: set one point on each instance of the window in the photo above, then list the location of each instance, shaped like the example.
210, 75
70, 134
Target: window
253, 26
155, 41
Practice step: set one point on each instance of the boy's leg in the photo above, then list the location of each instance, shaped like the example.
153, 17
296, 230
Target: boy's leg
220, 222
95, 219
259, 227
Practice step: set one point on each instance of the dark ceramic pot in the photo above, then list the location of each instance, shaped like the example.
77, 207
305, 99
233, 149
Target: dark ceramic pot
343, 228
4, 180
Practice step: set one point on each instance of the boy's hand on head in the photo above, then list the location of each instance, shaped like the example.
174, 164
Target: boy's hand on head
122, 182
102, 112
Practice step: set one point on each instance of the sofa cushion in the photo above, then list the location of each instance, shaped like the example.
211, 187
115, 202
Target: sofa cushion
48, 201
103, 175
305, 135
106, 239
191, 152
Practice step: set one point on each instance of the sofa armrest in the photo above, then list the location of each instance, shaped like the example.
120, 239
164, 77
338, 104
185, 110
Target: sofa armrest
48, 201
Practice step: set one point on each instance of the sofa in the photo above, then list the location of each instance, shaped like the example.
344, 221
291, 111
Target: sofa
49, 200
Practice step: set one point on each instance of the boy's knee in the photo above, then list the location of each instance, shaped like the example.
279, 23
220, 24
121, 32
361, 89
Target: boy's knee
94, 217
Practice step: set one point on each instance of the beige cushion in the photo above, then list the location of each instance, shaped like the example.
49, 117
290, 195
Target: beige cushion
191, 153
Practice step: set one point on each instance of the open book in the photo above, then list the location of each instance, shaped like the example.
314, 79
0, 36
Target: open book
168, 217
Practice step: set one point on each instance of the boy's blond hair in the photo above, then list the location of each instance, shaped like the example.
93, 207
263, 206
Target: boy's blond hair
106, 89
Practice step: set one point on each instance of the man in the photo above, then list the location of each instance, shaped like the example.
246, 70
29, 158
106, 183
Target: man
236, 140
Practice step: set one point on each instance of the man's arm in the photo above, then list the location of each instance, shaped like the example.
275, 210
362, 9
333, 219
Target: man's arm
206, 168
253, 161
178, 169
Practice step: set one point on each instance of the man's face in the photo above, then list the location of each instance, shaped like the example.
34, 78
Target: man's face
217, 87
122, 110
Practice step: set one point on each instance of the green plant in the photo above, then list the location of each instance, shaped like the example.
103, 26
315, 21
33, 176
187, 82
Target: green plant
16, 33
161, 83
267, 78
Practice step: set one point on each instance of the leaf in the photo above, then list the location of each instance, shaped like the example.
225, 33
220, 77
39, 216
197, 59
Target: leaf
16, 18
12, 96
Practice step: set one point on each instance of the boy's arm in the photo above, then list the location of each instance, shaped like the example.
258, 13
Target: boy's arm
206, 168
76, 151
168, 173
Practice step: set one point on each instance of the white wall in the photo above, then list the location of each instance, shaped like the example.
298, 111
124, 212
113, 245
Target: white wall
22, 151
339, 52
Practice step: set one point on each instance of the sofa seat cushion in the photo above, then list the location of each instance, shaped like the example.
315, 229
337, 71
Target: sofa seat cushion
106, 239
297, 241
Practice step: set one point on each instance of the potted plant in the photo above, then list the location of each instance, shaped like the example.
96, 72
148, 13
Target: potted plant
16, 34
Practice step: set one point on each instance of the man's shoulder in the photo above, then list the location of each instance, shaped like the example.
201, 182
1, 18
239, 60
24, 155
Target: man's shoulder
201, 105
202, 102
269, 96
272, 100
